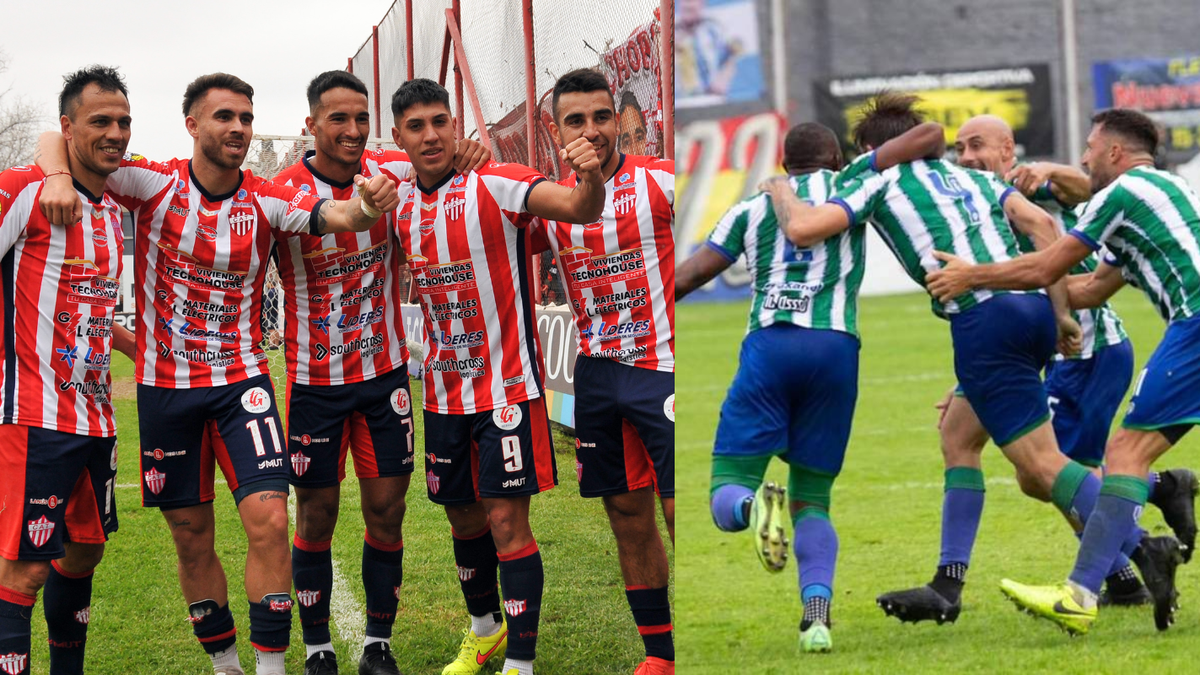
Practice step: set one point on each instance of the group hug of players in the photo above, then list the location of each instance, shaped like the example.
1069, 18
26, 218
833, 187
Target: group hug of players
1020, 259
204, 231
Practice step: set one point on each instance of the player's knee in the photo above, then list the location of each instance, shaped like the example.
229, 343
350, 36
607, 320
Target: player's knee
25, 576
1034, 484
810, 486
316, 515
467, 520
630, 505
81, 558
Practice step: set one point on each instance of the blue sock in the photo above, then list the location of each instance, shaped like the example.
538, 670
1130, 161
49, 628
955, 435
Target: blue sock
962, 507
1108, 529
727, 503
816, 546
1074, 492
1119, 563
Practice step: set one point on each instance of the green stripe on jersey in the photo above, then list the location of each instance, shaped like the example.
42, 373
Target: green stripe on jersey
1150, 222
813, 287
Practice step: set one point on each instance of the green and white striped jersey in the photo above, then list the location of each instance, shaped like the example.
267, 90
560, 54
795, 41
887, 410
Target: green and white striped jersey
1101, 326
1150, 222
931, 205
813, 287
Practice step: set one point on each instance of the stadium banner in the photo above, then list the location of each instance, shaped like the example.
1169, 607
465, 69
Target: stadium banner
717, 55
1168, 90
634, 73
556, 328
1018, 94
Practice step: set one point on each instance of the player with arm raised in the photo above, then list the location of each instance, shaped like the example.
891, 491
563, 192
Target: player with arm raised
58, 444
487, 434
1150, 222
203, 234
347, 367
797, 381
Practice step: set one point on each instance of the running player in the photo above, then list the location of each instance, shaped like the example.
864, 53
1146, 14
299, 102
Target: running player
347, 389
619, 273
797, 380
487, 434
204, 393
1149, 221
58, 433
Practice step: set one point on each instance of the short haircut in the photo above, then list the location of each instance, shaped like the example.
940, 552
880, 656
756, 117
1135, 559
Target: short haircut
629, 100
811, 145
105, 77
201, 85
417, 92
885, 117
581, 81
1136, 129
333, 79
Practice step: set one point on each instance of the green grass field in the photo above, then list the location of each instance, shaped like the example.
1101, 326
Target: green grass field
138, 623
732, 617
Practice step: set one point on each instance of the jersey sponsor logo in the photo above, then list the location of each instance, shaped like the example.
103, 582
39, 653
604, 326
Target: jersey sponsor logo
624, 182
84, 616
366, 346
432, 482
308, 598
624, 204
50, 502
321, 323
208, 311
178, 210
300, 464
586, 271
616, 331
333, 265
180, 266
276, 463
155, 480
434, 459
100, 237
213, 359
95, 360
514, 607
241, 195
624, 355
442, 278
292, 205
401, 402
191, 332
669, 407
348, 323
453, 311
468, 368
241, 223
455, 207
98, 391
12, 662
87, 285
612, 302
256, 400
305, 187
40, 531
514, 482
206, 232
355, 296
513, 380
508, 417
158, 453
68, 354
474, 338
181, 188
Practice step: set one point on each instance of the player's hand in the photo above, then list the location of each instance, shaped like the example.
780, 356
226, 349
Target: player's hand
1029, 177
952, 280
776, 187
59, 201
471, 155
1070, 336
378, 193
581, 157
942, 406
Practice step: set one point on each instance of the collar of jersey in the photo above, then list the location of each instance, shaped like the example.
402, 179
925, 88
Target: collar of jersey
322, 177
620, 163
87, 193
208, 195
438, 185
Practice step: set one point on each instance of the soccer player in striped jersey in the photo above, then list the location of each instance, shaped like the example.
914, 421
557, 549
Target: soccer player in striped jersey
342, 290
487, 434
797, 381
58, 443
203, 235
619, 274
1150, 222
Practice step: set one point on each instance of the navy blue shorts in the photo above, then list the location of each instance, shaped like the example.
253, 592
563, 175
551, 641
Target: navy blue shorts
1001, 347
187, 432
793, 396
370, 420
57, 487
624, 428
1084, 395
1167, 392
506, 452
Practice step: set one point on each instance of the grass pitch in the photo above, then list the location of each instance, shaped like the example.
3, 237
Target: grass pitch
139, 618
732, 617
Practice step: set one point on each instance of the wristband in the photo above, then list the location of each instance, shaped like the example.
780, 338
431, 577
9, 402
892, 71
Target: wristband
368, 211
60, 172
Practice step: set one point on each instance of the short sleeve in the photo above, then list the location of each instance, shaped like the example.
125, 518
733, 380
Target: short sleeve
663, 173
509, 184
539, 236
861, 197
1102, 215
728, 238
138, 180
287, 208
861, 166
19, 189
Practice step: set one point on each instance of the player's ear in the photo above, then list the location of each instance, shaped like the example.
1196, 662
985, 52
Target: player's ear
554, 133
396, 138
193, 127
65, 123
310, 124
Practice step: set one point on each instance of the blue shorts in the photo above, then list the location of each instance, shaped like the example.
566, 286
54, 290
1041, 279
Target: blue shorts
1000, 348
186, 433
1084, 396
624, 428
793, 396
1167, 392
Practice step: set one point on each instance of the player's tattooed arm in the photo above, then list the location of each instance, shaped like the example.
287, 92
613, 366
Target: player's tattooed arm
377, 196
58, 201
1068, 184
702, 267
583, 203
803, 224
1088, 291
924, 141
1026, 272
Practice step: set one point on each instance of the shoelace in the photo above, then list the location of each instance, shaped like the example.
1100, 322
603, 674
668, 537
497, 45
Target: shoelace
469, 646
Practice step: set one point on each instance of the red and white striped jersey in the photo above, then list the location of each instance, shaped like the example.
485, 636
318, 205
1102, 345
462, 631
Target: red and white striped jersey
198, 269
61, 285
467, 244
620, 270
342, 320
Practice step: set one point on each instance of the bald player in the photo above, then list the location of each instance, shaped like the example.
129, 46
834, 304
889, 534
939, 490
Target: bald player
1084, 391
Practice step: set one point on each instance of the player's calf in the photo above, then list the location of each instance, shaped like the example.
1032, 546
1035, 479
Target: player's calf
734, 482
644, 568
66, 602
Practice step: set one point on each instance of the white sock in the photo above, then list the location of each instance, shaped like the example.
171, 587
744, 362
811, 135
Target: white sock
313, 649
484, 626
269, 663
227, 658
372, 640
523, 667
1083, 596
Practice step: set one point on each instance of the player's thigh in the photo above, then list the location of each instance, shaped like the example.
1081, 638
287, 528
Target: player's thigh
962, 434
755, 415
822, 402
451, 459
610, 455
247, 437
175, 452
317, 434
381, 427
516, 450
649, 407
1166, 394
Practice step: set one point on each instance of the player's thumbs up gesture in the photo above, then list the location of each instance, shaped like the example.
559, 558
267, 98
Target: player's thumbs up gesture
581, 156
378, 193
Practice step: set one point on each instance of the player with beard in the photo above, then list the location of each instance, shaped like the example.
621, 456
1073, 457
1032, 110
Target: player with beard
202, 239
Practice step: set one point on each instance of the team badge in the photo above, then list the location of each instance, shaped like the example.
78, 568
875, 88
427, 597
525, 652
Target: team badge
13, 663
241, 223
400, 401
669, 408
433, 482
84, 615
507, 418
155, 480
300, 464
40, 531
466, 573
578, 467
308, 598
514, 607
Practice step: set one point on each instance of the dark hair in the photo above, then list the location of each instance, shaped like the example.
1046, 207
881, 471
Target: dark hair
1137, 130
416, 92
581, 81
629, 99
811, 145
885, 117
201, 85
108, 79
333, 79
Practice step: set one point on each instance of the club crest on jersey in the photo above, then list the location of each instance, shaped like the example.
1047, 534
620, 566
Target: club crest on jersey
514, 607
84, 616
508, 417
242, 222
401, 402
433, 482
455, 207
308, 598
155, 480
300, 463
40, 531
669, 408
256, 400
13, 663
624, 204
